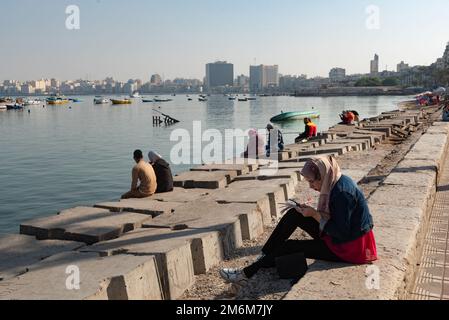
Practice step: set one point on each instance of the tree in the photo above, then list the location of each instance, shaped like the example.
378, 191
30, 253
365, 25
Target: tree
390, 82
368, 82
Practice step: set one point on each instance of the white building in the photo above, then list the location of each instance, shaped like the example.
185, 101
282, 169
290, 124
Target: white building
374, 67
337, 74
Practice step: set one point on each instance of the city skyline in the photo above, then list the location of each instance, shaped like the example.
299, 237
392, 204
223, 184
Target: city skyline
176, 39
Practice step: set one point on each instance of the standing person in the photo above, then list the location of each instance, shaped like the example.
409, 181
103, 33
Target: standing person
142, 172
341, 226
164, 176
309, 132
256, 145
275, 141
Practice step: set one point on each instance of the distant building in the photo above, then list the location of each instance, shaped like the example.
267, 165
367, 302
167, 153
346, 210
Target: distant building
242, 81
219, 74
27, 89
262, 77
374, 70
156, 80
402, 67
337, 74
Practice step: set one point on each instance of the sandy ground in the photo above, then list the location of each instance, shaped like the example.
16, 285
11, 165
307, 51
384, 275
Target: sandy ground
266, 285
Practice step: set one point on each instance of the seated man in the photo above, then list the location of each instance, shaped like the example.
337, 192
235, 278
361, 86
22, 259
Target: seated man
164, 176
144, 173
309, 132
275, 141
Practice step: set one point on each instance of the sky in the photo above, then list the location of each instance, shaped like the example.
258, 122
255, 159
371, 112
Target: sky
176, 38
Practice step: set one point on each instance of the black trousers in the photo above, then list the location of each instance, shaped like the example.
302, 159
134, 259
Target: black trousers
278, 244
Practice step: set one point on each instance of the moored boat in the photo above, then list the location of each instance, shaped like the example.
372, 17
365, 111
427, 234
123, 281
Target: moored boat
101, 100
121, 101
295, 115
57, 100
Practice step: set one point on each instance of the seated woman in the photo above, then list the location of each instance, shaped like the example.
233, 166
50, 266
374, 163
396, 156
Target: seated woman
341, 227
309, 132
256, 145
164, 176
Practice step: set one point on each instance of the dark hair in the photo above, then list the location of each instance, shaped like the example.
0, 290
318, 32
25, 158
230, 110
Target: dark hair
138, 154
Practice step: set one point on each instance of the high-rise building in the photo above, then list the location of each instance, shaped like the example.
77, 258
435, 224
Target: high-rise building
337, 74
402, 66
261, 77
219, 74
156, 80
374, 70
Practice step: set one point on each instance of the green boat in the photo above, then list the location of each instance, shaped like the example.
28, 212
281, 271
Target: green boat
295, 115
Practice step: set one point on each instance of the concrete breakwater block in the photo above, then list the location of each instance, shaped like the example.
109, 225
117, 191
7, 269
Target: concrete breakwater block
379, 128
18, 252
303, 159
285, 173
235, 221
181, 195
340, 149
204, 179
239, 169
146, 206
272, 186
404, 196
371, 139
122, 277
379, 136
84, 224
172, 251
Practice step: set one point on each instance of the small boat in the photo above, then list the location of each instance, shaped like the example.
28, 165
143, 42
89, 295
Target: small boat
251, 99
295, 115
3, 107
75, 100
57, 100
101, 100
30, 102
121, 101
14, 106
162, 100
147, 100
243, 99
200, 99
135, 95
189, 99
232, 98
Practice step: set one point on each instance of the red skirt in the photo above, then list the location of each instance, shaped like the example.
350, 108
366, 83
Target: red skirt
360, 251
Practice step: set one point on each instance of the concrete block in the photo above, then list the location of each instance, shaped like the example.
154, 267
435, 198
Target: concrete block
18, 252
84, 224
237, 169
421, 179
404, 196
146, 206
172, 250
204, 179
122, 277
181, 195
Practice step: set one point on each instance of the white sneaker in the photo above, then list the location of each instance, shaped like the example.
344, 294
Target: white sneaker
236, 276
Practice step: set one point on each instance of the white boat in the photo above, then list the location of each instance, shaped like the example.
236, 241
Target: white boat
135, 95
30, 102
2, 106
100, 100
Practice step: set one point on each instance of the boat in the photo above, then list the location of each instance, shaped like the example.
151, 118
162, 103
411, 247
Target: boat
101, 100
30, 102
202, 99
135, 95
243, 99
147, 100
3, 107
75, 100
121, 101
57, 100
162, 100
189, 99
295, 115
14, 106
251, 99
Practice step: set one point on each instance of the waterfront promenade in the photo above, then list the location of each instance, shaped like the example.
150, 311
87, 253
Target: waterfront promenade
158, 248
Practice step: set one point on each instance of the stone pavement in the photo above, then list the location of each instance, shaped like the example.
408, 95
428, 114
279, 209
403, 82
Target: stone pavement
432, 281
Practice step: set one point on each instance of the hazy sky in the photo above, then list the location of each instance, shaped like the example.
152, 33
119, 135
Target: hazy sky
176, 38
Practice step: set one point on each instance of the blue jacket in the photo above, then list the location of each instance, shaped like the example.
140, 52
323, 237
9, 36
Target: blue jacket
350, 215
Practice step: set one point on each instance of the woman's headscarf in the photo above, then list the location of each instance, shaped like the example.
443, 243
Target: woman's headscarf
154, 156
330, 173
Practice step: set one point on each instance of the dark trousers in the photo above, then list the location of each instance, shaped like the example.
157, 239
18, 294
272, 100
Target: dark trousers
278, 244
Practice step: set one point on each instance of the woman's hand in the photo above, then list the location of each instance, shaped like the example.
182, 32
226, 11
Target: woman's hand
309, 212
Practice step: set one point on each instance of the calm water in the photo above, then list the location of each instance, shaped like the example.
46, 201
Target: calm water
58, 157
